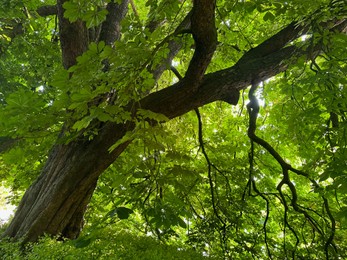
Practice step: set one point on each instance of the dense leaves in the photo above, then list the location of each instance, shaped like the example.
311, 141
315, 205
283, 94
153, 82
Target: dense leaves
264, 179
119, 245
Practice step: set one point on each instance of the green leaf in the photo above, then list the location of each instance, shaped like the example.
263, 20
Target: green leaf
82, 242
72, 11
61, 79
269, 16
94, 17
122, 212
127, 137
151, 115
140, 174
83, 95
83, 123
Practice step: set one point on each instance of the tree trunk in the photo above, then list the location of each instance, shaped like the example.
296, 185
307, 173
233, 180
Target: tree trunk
55, 204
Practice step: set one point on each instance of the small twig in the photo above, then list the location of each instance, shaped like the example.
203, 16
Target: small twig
175, 71
133, 7
209, 165
266, 217
333, 228
209, 172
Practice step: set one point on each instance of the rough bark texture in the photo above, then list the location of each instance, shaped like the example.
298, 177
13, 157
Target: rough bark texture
205, 36
73, 37
56, 202
110, 30
47, 10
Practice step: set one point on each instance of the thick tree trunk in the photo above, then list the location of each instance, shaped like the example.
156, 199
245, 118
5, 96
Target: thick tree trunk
56, 202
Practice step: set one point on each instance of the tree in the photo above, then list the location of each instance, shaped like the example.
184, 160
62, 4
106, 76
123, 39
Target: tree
115, 84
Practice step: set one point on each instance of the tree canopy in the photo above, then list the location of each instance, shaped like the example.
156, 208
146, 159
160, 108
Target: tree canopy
214, 126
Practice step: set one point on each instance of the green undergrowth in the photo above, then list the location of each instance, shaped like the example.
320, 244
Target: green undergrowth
104, 245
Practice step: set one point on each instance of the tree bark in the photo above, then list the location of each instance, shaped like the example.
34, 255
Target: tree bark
56, 202
73, 37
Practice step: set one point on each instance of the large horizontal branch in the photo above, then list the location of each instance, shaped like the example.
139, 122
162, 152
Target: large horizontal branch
177, 99
221, 85
276, 42
258, 64
262, 62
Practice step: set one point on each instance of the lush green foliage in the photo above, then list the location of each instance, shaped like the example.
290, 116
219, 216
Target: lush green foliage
119, 245
227, 204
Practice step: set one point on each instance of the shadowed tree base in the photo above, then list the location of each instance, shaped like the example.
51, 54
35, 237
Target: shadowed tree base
55, 204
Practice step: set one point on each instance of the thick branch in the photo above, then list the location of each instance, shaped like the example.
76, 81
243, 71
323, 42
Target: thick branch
47, 10
276, 42
174, 46
205, 36
225, 84
111, 29
73, 37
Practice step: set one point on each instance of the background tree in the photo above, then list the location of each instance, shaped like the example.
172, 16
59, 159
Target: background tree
100, 76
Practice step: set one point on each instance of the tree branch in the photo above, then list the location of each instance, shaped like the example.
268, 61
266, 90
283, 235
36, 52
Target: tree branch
47, 10
73, 37
253, 110
133, 7
225, 85
276, 42
177, 99
174, 46
205, 36
111, 29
